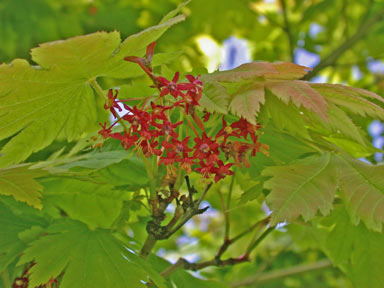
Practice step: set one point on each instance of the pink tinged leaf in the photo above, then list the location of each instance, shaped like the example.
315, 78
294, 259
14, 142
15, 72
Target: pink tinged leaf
289, 71
246, 103
246, 71
301, 188
362, 189
354, 99
301, 94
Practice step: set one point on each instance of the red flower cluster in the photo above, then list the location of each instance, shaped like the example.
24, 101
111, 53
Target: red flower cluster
151, 131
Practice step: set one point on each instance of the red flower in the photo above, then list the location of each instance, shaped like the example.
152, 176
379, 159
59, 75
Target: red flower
166, 128
177, 151
246, 128
222, 170
171, 158
171, 87
137, 117
196, 89
206, 116
149, 148
205, 169
158, 111
127, 140
186, 164
105, 132
112, 103
205, 147
226, 131
180, 147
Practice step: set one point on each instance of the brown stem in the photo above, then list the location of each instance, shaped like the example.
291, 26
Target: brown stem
256, 243
332, 57
287, 29
148, 246
158, 232
283, 273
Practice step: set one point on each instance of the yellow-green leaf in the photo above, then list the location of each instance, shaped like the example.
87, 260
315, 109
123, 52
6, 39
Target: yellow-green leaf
20, 182
246, 102
301, 188
86, 259
56, 98
362, 189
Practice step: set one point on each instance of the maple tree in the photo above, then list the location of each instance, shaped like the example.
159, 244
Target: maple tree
98, 210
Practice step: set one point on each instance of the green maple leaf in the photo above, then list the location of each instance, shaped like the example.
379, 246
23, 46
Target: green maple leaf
356, 250
339, 124
286, 116
362, 190
246, 88
301, 188
87, 259
96, 204
91, 161
355, 100
215, 97
56, 98
19, 182
15, 232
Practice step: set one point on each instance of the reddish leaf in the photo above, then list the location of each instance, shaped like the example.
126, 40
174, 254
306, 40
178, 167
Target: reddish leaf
301, 94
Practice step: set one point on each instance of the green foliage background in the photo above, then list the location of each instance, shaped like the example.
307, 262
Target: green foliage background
352, 246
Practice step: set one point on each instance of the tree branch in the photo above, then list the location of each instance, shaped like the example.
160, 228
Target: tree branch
287, 29
184, 264
158, 232
229, 241
333, 56
256, 243
280, 274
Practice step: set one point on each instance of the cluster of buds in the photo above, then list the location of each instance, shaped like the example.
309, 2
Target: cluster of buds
149, 128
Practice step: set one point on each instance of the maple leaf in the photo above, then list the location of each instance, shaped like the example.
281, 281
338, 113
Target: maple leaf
87, 258
96, 204
358, 251
19, 181
246, 102
301, 188
356, 100
215, 97
15, 232
246, 84
56, 98
362, 190
301, 94
246, 88
286, 116
339, 124
259, 71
